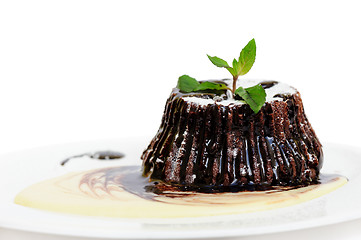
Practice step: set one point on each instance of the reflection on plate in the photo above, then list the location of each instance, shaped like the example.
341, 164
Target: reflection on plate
26, 168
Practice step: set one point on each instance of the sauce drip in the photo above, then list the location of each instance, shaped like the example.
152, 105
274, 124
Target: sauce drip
100, 155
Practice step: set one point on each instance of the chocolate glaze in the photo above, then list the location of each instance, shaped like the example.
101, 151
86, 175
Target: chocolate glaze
229, 146
100, 155
129, 179
268, 84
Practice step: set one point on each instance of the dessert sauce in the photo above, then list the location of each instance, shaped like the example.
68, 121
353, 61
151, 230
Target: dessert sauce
122, 192
100, 155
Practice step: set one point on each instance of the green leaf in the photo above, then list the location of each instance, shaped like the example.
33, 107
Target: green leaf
236, 68
187, 84
254, 96
218, 62
210, 86
231, 70
247, 57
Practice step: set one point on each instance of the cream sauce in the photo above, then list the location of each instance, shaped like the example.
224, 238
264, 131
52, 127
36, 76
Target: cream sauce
121, 192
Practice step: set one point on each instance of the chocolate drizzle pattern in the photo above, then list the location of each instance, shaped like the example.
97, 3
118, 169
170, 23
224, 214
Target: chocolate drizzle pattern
219, 145
123, 193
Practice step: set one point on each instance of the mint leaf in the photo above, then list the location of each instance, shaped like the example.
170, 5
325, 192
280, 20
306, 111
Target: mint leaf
254, 96
231, 70
210, 86
245, 62
247, 57
236, 67
218, 62
187, 84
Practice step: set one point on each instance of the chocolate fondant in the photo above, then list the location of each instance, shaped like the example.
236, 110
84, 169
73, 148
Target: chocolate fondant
209, 139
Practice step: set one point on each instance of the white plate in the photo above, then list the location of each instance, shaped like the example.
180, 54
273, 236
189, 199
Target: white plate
19, 170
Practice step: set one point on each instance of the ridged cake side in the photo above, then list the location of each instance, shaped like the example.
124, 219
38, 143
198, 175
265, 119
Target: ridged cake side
216, 145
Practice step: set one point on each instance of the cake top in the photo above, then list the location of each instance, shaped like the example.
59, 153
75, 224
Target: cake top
274, 92
233, 92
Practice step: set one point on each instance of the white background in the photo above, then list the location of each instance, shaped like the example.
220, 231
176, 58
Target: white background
84, 70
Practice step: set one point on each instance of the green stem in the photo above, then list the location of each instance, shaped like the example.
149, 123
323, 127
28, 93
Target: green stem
235, 78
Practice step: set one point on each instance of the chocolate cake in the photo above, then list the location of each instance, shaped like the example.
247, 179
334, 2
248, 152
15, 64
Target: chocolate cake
210, 139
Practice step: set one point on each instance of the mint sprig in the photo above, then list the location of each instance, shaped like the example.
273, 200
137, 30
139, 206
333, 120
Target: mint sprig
254, 96
188, 84
245, 62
